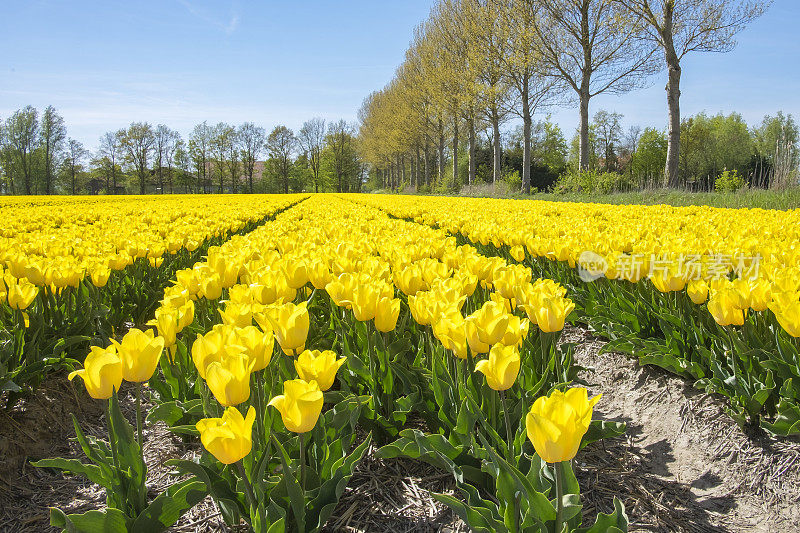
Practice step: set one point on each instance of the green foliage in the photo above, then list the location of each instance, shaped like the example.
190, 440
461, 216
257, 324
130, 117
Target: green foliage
650, 158
592, 182
729, 181
513, 180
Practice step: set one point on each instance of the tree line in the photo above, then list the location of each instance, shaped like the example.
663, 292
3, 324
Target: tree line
37, 157
474, 65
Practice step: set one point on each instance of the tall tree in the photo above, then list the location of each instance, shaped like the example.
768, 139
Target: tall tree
280, 146
341, 157
311, 138
73, 163
111, 149
200, 152
594, 47
608, 126
22, 134
683, 26
137, 144
52, 135
222, 141
252, 139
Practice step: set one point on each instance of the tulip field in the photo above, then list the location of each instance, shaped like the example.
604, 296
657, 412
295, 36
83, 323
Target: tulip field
284, 340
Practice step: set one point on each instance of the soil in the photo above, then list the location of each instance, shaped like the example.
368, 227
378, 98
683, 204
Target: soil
683, 464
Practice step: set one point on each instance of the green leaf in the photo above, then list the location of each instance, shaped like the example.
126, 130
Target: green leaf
91, 472
169, 506
219, 488
108, 521
479, 519
603, 429
296, 496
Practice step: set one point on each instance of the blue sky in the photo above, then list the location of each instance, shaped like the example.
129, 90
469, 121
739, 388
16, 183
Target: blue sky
179, 62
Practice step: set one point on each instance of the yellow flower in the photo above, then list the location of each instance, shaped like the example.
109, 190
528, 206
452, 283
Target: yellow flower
300, 405
185, 315
166, 321
452, 333
21, 294
552, 312
229, 379
257, 345
213, 346
290, 323
516, 331
211, 286
229, 438
724, 306
239, 315
296, 273
313, 365
760, 295
139, 352
556, 424
490, 321
788, 315
501, 368
364, 302
100, 276
101, 372
386, 314
697, 291
320, 275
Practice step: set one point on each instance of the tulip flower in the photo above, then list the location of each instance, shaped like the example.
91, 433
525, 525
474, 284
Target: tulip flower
296, 273
697, 291
451, 330
21, 294
552, 312
290, 323
300, 405
139, 352
501, 368
760, 295
229, 379
101, 372
100, 276
386, 313
556, 424
313, 365
364, 302
229, 438
724, 306
211, 286
211, 347
516, 331
185, 315
788, 316
257, 345
166, 321
239, 315
490, 321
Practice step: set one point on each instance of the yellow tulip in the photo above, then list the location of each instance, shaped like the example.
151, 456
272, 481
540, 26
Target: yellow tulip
724, 306
239, 315
386, 314
364, 302
697, 291
501, 368
21, 294
490, 321
211, 286
213, 346
139, 352
185, 315
300, 405
556, 424
101, 372
451, 331
552, 312
290, 323
100, 276
760, 295
473, 338
229, 438
516, 331
788, 316
320, 275
296, 273
257, 345
229, 379
166, 321
313, 365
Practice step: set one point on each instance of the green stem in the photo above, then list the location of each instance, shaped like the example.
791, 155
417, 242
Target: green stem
509, 436
139, 415
559, 497
111, 440
251, 496
303, 462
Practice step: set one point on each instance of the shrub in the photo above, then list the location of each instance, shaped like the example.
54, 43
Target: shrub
592, 182
729, 181
513, 180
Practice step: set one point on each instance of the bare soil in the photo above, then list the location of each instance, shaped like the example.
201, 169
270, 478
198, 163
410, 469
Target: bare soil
683, 465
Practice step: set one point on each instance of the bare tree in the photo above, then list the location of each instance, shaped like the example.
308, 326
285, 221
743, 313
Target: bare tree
280, 146
311, 138
594, 47
252, 139
137, 143
200, 151
684, 26
52, 135
609, 133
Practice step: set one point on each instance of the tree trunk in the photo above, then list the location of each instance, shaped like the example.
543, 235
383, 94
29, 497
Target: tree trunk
441, 152
526, 140
674, 135
496, 145
583, 157
455, 151
472, 162
427, 175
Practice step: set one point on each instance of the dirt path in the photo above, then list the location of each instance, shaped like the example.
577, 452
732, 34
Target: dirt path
684, 465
